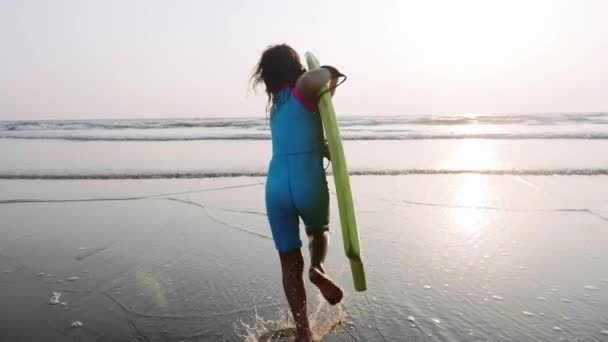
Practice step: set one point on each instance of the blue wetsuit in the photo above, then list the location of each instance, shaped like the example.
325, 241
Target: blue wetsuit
296, 186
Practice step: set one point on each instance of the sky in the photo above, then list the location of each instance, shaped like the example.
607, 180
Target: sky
82, 59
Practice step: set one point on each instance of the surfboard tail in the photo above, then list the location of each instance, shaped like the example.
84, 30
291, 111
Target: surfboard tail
358, 272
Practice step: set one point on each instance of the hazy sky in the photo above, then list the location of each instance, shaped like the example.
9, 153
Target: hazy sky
149, 58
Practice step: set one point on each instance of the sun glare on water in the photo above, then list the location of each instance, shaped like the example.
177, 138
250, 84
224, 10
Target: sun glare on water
468, 194
472, 155
471, 192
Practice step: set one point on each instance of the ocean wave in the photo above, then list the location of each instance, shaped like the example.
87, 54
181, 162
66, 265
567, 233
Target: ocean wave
234, 174
345, 121
79, 125
345, 136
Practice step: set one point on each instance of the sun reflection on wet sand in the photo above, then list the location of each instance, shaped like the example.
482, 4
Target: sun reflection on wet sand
470, 191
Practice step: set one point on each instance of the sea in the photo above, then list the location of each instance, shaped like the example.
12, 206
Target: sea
527, 144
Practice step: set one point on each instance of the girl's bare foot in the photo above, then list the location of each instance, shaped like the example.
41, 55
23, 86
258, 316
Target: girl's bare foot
330, 291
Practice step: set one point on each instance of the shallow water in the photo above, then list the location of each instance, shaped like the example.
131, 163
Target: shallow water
448, 258
56, 159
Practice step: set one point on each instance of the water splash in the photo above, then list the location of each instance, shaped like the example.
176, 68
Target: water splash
324, 320
266, 330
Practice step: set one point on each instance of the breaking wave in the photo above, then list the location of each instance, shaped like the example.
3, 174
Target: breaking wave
375, 120
517, 126
225, 174
346, 136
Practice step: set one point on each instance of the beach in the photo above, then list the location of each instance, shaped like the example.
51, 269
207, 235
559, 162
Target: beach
141, 231
137, 139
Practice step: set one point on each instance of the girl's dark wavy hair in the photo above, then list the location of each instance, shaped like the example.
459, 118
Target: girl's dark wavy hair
279, 66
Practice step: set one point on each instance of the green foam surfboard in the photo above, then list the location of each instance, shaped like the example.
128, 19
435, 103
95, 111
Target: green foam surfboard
340, 172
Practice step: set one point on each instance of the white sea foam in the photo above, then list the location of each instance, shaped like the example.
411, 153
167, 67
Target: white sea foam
592, 288
55, 299
76, 324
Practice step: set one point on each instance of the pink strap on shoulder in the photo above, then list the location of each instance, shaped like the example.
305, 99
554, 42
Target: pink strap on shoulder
308, 103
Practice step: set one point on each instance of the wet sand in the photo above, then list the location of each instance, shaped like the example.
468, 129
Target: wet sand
449, 258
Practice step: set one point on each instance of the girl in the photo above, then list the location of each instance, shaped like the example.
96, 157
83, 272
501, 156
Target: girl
296, 186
